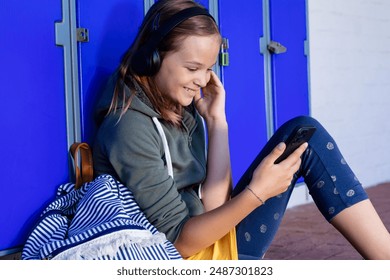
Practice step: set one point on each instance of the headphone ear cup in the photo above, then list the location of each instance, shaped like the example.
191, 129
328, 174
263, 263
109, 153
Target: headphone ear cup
155, 63
140, 62
145, 63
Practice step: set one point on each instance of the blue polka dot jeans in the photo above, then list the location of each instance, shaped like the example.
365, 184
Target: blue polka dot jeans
331, 183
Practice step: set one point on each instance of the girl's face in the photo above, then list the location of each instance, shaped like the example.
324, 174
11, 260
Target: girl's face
185, 71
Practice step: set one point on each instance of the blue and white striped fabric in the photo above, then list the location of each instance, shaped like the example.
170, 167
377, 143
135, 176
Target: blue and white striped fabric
101, 220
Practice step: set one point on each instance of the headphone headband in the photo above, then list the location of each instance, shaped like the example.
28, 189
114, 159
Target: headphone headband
174, 21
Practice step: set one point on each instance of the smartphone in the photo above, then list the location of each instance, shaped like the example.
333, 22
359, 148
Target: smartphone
299, 136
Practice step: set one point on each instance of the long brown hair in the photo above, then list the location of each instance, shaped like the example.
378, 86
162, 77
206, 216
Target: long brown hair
197, 25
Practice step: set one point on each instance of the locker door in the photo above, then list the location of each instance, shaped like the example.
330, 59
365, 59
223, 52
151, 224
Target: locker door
289, 69
32, 120
290, 89
112, 26
242, 24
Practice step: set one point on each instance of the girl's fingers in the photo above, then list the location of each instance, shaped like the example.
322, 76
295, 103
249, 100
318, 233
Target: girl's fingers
296, 155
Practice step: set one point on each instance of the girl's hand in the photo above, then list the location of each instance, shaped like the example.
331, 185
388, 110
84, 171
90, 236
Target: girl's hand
211, 102
270, 179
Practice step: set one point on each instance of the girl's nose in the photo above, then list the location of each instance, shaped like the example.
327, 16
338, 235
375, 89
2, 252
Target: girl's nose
202, 79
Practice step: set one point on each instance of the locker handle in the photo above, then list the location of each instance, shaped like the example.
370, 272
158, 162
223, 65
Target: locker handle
276, 47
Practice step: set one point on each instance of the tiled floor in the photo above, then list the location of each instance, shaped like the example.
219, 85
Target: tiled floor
305, 235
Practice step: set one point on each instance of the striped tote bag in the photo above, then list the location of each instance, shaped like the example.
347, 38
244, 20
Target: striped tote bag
98, 221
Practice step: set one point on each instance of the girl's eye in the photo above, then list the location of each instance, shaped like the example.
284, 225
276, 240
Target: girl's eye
192, 69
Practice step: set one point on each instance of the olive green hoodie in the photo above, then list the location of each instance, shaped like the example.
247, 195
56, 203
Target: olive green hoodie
132, 151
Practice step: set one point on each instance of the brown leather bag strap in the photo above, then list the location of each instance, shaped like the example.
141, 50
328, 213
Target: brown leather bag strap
84, 166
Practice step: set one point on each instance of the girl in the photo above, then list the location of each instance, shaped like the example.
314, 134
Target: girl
166, 77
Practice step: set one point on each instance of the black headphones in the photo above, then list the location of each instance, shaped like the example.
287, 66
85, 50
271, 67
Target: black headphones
146, 60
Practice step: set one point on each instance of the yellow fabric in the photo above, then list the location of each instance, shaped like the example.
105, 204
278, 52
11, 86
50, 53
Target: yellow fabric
224, 249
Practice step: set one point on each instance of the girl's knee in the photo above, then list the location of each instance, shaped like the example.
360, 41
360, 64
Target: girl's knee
305, 120
309, 121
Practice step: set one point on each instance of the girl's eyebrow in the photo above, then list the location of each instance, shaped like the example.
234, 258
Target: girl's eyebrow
195, 63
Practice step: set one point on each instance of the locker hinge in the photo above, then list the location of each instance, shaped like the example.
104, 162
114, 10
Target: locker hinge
82, 35
306, 47
276, 47
224, 55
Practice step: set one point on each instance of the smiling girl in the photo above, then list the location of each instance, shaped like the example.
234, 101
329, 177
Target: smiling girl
166, 75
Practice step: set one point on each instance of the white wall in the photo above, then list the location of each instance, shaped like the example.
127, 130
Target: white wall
350, 80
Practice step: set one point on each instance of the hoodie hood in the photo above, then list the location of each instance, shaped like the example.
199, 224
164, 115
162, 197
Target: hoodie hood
140, 102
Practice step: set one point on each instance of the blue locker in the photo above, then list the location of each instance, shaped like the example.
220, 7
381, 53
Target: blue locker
254, 108
289, 69
242, 25
32, 120
110, 35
